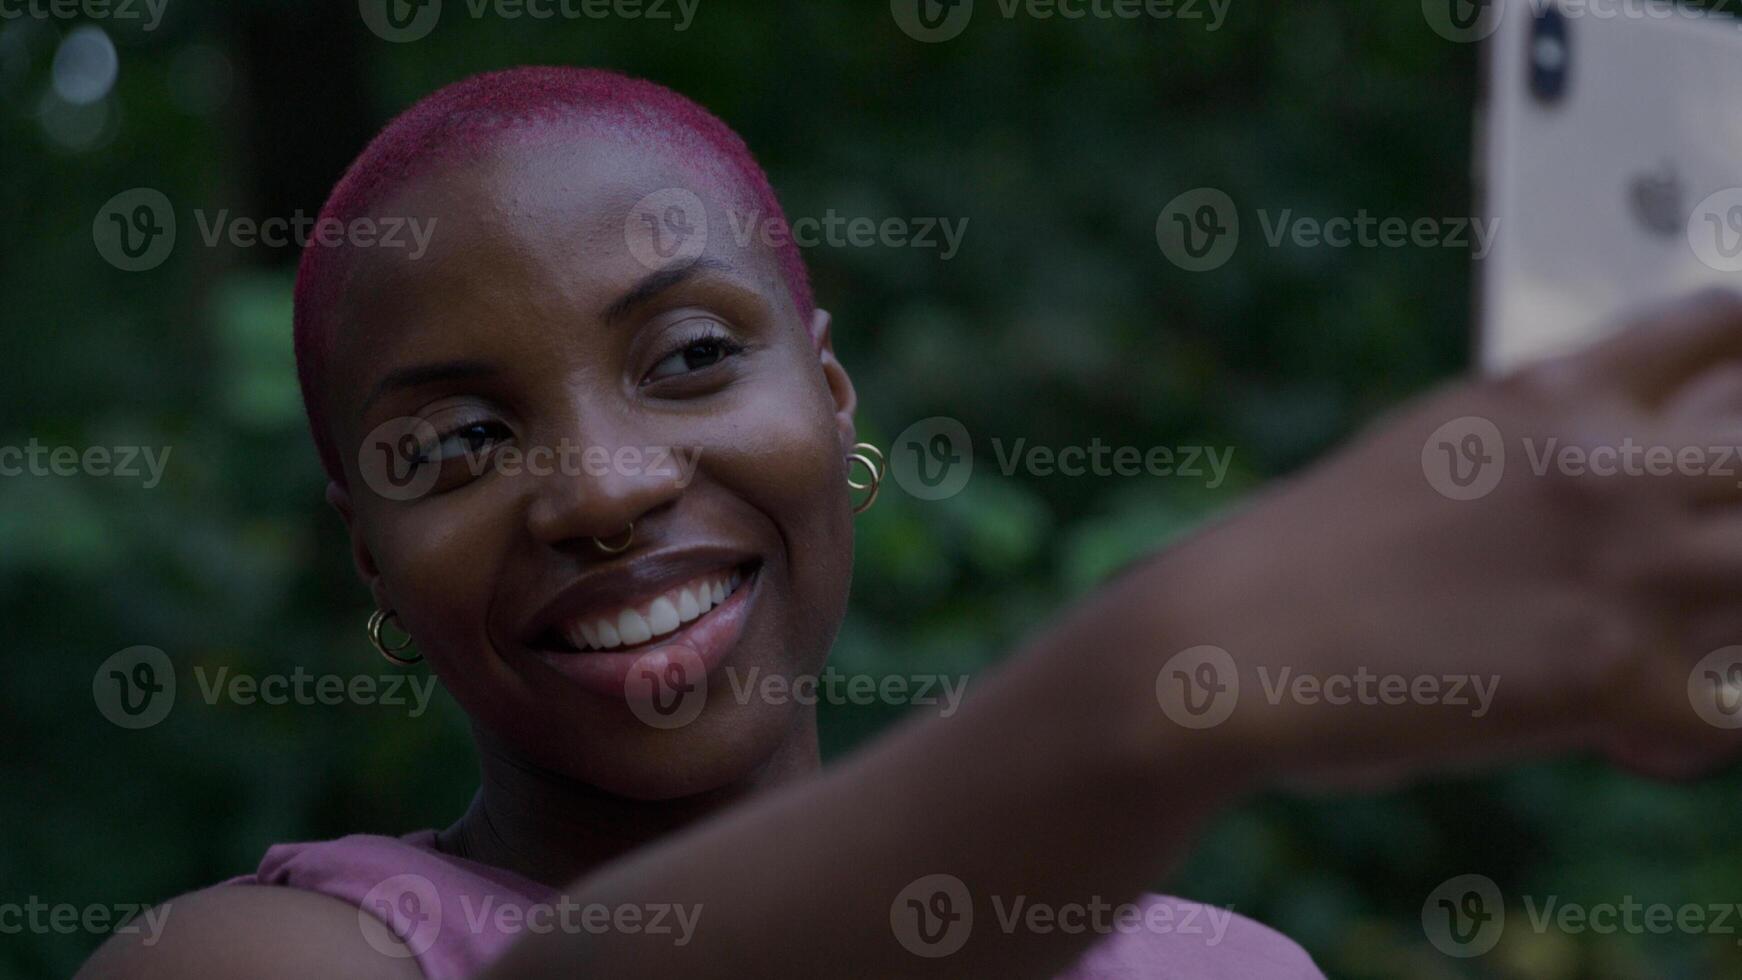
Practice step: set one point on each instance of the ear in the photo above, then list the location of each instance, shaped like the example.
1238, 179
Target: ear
340, 499
840, 385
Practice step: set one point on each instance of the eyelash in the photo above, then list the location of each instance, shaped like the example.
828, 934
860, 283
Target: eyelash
729, 347
496, 432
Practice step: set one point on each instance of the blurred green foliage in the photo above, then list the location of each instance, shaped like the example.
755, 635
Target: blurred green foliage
1059, 322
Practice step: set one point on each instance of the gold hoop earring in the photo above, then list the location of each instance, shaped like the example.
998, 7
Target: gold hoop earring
628, 539
863, 454
378, 619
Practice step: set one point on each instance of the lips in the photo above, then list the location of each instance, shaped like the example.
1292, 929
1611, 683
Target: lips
630, 626
597, 630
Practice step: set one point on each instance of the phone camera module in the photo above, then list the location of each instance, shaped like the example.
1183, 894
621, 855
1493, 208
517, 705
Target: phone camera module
1551, 56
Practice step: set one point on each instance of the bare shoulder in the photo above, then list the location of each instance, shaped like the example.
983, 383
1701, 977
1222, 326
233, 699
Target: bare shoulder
250, 932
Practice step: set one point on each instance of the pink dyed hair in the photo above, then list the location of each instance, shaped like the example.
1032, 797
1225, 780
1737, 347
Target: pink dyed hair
471, 115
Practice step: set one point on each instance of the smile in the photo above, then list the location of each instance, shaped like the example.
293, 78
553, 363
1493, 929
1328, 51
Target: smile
631, 625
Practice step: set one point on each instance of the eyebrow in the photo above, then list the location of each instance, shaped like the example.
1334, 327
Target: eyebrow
669, 277
417, 375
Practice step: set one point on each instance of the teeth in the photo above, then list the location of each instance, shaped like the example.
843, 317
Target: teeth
662, 616
634, 627
665, 614
608, 637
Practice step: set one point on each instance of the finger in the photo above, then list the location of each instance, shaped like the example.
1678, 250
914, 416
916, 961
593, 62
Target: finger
1702, 561
1706, 458
1713, 397
1661, 352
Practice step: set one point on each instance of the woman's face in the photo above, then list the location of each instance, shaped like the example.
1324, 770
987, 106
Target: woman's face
568, 382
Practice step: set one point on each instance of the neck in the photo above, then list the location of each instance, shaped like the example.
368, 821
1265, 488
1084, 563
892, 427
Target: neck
554, 830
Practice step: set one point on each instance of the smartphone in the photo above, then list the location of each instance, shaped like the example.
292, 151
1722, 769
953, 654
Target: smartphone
1609, 157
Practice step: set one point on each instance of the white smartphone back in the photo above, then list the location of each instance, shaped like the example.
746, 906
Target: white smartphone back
1610, 155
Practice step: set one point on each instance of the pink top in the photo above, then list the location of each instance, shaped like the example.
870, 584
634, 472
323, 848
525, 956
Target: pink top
456, 916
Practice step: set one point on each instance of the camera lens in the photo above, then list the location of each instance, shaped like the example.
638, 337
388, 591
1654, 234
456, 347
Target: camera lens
1551, 56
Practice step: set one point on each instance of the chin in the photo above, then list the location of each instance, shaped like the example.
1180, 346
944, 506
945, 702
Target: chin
727, 746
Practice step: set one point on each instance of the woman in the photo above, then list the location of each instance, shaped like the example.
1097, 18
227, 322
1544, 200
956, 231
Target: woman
571, 300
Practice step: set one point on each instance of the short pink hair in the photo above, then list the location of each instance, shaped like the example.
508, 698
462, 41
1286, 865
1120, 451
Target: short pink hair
470, 116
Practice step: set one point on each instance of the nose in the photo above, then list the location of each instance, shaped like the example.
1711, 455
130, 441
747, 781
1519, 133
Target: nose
596, 488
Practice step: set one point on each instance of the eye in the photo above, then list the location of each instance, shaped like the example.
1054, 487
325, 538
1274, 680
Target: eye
701, 351
471, 439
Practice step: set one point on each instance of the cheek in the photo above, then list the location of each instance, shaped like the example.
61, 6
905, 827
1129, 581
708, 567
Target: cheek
774, 441
439, 561
777, 449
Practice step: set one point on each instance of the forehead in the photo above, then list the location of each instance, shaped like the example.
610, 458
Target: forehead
540, 227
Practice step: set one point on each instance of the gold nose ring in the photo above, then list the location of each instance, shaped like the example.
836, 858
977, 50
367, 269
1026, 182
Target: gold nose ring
617, 549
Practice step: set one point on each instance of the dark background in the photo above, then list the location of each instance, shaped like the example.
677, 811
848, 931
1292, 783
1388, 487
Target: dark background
1059, 322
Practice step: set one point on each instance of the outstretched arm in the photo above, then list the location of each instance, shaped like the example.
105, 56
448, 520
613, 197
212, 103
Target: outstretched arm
1578, 597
